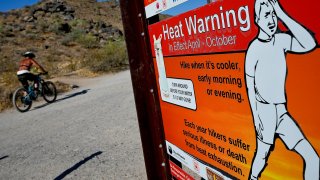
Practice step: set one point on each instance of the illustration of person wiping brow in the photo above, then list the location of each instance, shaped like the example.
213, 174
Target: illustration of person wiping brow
266, 70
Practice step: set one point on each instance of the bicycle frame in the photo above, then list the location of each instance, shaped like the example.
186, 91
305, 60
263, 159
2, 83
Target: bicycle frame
45, 88
31, 88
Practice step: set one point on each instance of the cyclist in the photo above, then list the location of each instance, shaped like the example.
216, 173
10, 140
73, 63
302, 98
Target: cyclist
24, 73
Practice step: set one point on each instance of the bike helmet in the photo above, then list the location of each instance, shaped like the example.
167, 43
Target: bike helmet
29, 54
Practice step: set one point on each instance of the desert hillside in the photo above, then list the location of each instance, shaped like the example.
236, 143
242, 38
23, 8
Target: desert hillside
82, 37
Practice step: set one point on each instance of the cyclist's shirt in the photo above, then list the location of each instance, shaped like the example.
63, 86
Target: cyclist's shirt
26, 64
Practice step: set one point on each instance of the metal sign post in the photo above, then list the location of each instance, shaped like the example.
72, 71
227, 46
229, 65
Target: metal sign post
212, 91
145, 89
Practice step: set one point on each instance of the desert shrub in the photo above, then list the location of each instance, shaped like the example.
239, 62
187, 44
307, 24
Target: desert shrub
62, 87
73, 36
32, 36
9, 79
88, 41
5, 101
8, 83
54, 28
80, 36
9, 65
112, 57
80, 23
72, 66
67, 40
76, 34
43, 26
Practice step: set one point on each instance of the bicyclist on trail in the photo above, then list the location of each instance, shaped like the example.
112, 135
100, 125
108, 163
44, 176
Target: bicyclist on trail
24, 73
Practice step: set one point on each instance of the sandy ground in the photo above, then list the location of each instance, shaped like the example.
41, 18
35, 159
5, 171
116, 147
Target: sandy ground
89, 133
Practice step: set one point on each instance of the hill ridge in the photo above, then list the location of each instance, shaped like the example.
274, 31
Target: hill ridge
82, 36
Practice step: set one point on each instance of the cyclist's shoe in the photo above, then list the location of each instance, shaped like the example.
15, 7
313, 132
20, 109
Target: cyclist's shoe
33, 97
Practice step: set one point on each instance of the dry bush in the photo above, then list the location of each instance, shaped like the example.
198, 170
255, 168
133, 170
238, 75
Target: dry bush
80, 36
73, 36
88, 41
8, 83
5, 100
62, 87
79, 23
112, 57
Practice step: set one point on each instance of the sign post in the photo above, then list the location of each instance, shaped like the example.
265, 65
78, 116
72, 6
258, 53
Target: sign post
227, 88
145, 92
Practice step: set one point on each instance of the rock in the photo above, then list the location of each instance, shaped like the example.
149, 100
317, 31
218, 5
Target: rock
68, 17
60, 8
9, 34
51, 38
117, 33
102, 31
28, 18
64, 27
95, 32
69, 10
17, 28
103, 41
38, 14
30, 26
74, 86
8, 28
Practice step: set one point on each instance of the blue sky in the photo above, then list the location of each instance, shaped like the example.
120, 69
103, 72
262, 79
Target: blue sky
6, 5
184, 7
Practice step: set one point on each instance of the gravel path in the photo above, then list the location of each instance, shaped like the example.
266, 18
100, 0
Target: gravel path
89, 133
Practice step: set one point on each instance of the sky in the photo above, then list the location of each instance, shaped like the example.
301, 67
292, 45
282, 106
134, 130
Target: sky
6, 5
184, 7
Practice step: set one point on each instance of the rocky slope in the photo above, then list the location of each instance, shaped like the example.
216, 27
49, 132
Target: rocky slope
68, 36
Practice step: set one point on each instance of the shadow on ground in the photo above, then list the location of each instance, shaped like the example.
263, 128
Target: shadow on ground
77, 165
4, 157
64, 98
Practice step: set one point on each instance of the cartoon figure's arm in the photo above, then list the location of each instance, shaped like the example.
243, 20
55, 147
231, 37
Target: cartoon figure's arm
302, 40
251, 94
250, 65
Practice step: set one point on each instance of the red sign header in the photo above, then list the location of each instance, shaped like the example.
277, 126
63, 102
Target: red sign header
218, 27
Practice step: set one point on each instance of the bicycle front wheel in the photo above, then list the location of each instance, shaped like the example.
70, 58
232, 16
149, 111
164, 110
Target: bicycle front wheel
21, 101
49, 91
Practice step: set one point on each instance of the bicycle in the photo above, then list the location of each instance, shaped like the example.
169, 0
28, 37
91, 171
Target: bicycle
22, 98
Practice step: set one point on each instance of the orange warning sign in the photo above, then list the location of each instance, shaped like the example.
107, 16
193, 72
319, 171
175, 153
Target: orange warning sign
235, 109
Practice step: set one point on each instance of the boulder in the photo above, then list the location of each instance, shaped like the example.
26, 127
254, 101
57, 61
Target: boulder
64, 27
29, 19
68, 17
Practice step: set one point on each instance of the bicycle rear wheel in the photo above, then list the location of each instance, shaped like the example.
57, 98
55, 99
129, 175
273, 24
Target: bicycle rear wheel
49, 91
20, 100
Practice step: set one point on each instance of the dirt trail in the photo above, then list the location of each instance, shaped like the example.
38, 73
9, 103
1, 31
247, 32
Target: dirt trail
89, 133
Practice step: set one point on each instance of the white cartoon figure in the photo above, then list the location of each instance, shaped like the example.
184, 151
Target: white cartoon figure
266, 70
161, 68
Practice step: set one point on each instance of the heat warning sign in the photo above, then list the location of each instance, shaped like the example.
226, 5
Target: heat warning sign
237, 79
